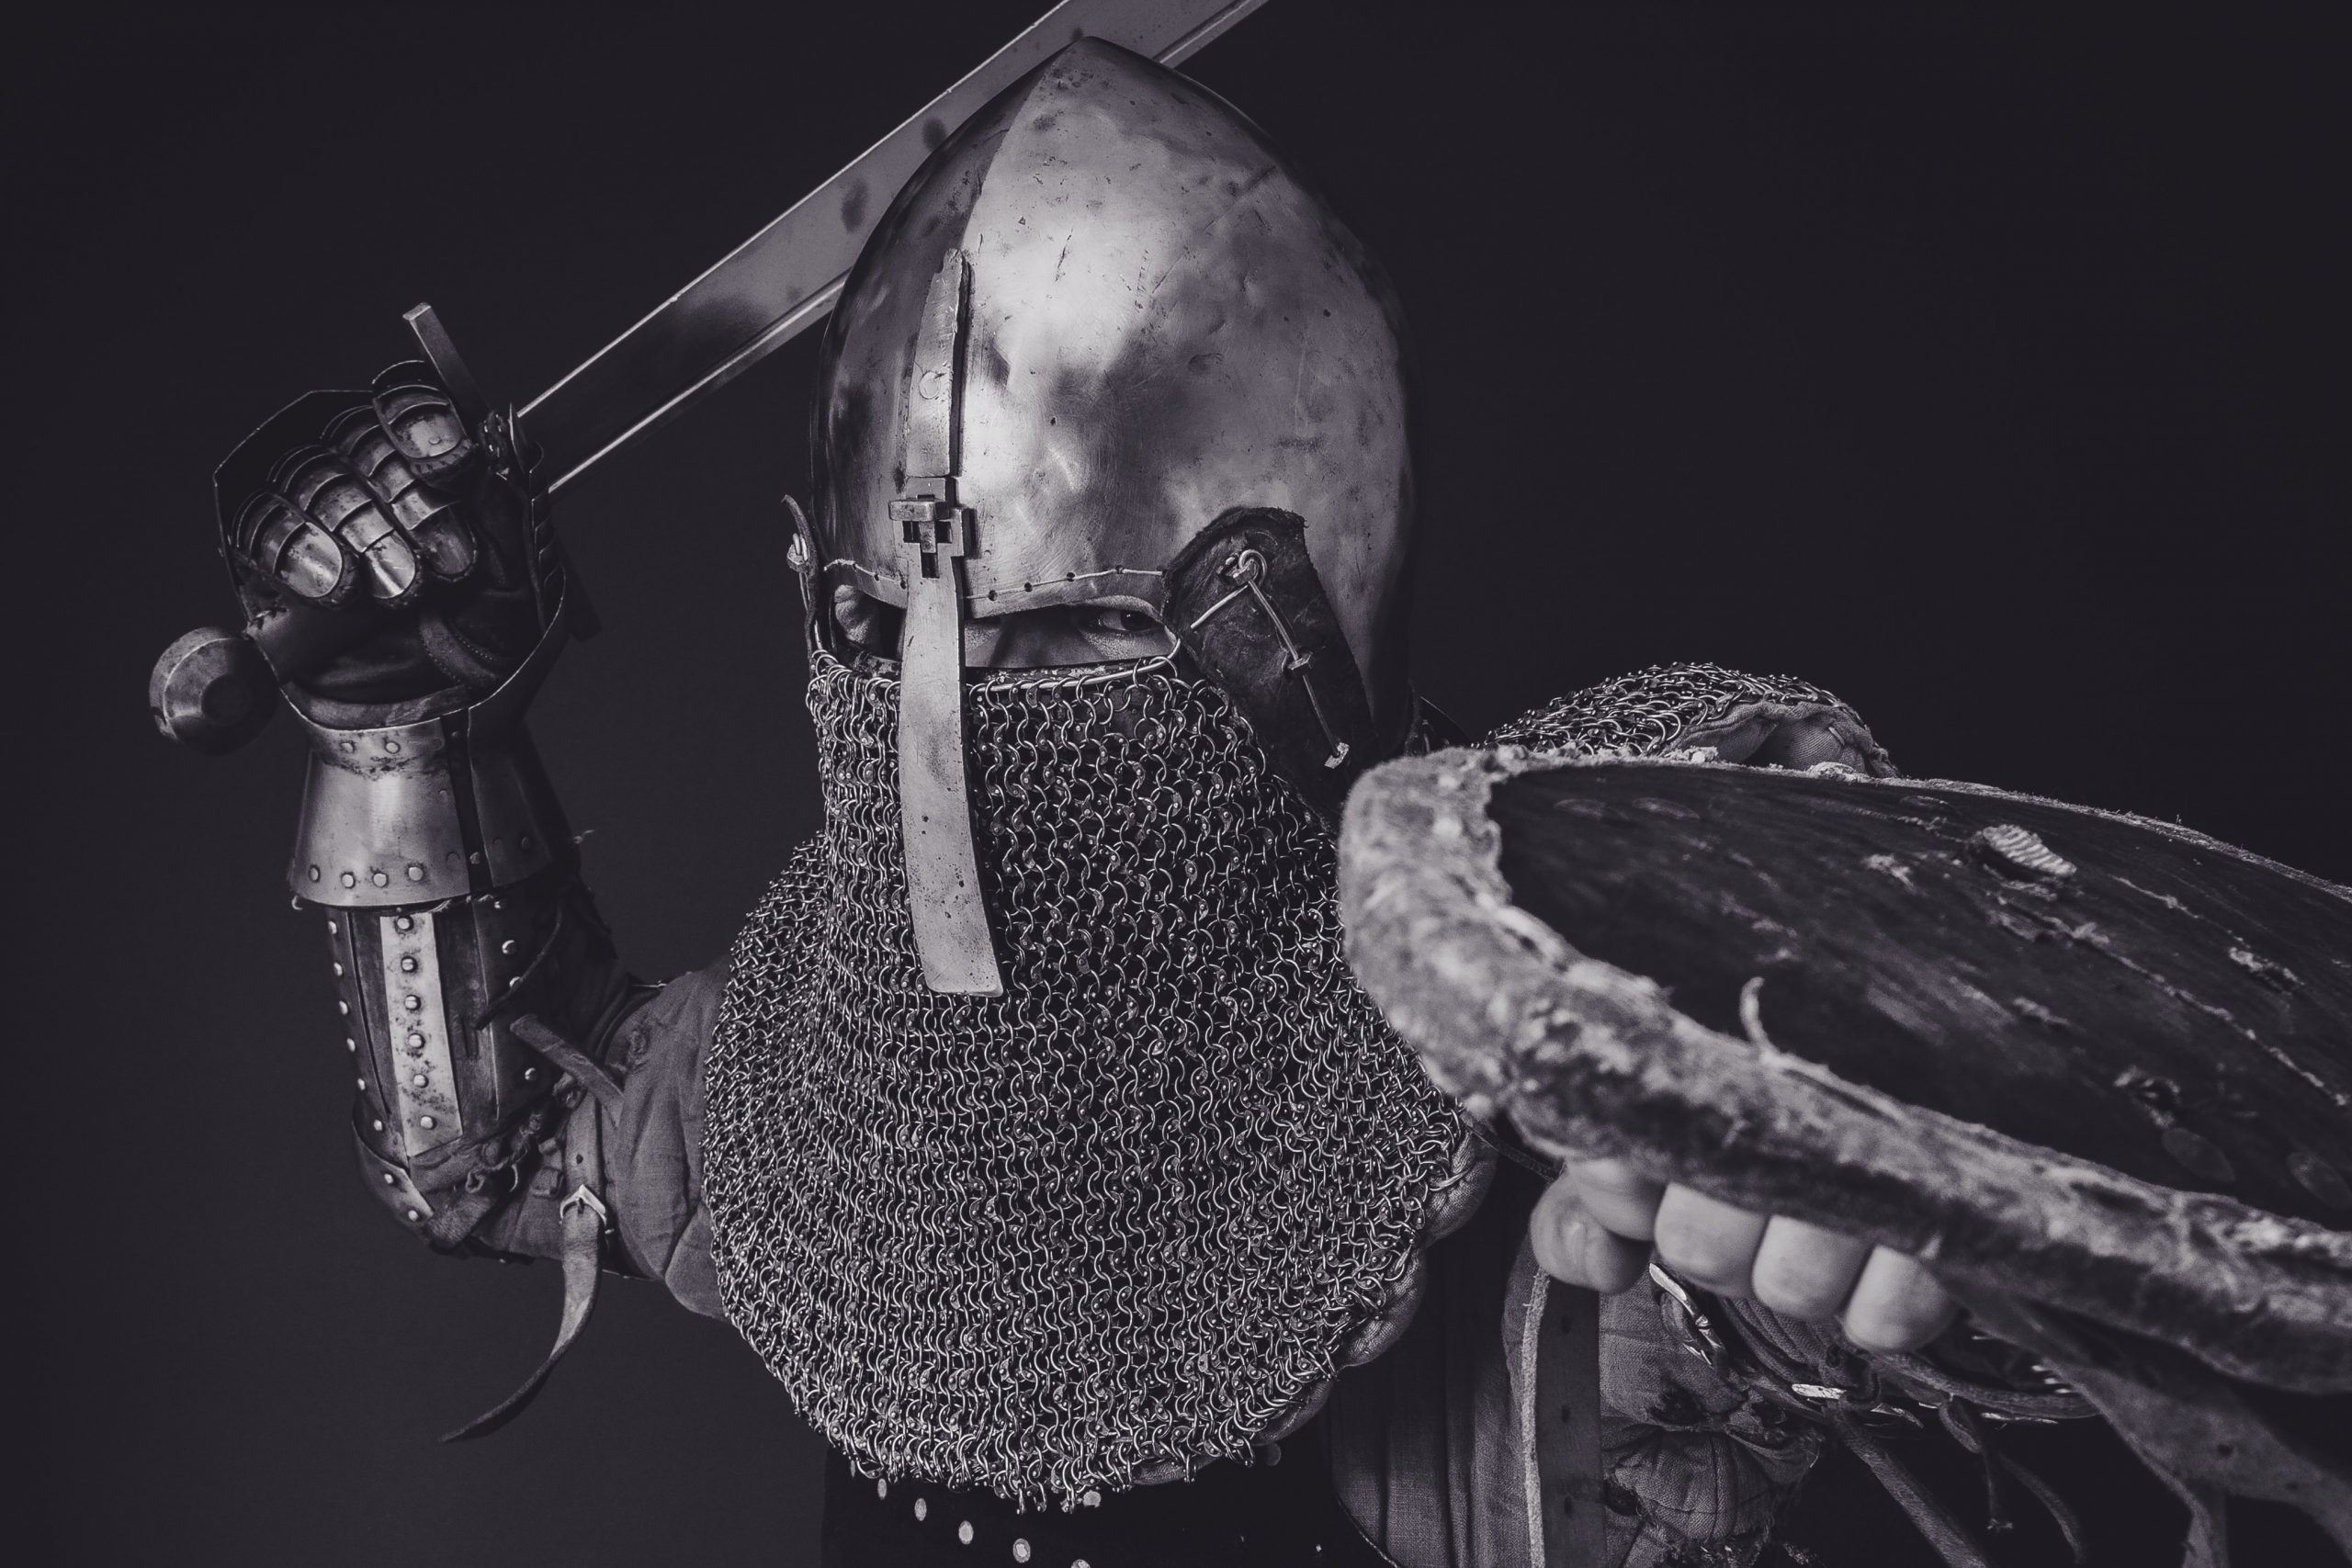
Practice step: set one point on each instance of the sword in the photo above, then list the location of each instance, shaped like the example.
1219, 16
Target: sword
211, 688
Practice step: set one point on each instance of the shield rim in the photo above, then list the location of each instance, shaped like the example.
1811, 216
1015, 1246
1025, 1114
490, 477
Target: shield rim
1508, 1017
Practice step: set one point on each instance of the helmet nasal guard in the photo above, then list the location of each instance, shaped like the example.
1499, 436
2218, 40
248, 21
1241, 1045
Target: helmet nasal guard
1106, 344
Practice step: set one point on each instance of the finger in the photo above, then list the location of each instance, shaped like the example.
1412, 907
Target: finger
324, 485
1897, 1304
1617, 1197
432, 522
1711, 1242
1804, 1270
423, 424
1574, 1249
279, 539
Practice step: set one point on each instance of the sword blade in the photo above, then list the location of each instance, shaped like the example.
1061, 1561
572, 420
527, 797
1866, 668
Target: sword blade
785, 278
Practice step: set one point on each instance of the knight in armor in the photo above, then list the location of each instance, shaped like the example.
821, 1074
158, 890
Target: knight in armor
1034, 1133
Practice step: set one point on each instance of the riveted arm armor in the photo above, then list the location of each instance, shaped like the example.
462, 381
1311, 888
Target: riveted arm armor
455, 913
474, 980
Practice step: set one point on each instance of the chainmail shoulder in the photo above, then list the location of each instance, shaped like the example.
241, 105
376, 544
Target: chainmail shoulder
1131, 1215
1651, 710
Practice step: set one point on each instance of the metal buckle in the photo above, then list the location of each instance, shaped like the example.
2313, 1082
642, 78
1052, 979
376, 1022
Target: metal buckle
1700, 1337
581, 1197
1247, 568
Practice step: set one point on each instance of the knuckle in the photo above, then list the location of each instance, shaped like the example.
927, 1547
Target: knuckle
1714, 1243
392, 573
1803, 1270
1635, 1221
443, 543
1897, 1305
349, 508
396, 498
425, 428
254, 521
303, 472
1701, 1258
1607, 1175
282, 541
1796, 1291
1615, 1182
369, 449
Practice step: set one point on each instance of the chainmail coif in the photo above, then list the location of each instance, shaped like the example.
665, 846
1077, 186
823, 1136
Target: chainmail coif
1651, 710
1120, 1217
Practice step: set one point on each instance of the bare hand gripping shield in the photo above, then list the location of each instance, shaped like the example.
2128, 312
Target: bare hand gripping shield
2095, 1070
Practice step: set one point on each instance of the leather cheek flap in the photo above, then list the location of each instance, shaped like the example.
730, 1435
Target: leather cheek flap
1248, 610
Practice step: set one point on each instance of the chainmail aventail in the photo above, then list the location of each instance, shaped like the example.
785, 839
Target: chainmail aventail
1121, 1218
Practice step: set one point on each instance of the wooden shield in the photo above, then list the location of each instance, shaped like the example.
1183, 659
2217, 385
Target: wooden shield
2094, 1061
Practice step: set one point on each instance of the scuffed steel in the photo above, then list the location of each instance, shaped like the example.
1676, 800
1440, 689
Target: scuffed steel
1584, 1055
1166, 323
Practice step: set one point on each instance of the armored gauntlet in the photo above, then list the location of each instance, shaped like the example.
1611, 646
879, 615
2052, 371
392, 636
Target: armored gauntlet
470, 964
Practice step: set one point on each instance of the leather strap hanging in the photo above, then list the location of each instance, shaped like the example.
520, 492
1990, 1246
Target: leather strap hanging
580, 1175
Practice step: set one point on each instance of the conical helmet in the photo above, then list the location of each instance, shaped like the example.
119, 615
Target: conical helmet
1105, 322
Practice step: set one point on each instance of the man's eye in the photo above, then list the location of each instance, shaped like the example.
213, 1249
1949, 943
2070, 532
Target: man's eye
1103, 620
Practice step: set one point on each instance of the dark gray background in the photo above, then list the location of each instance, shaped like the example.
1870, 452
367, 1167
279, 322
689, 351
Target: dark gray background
1983, 366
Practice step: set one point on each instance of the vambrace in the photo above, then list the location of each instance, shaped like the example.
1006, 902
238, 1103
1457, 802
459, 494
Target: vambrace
459, 933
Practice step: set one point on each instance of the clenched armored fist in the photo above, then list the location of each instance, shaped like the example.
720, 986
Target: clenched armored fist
365, 510
416, 533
